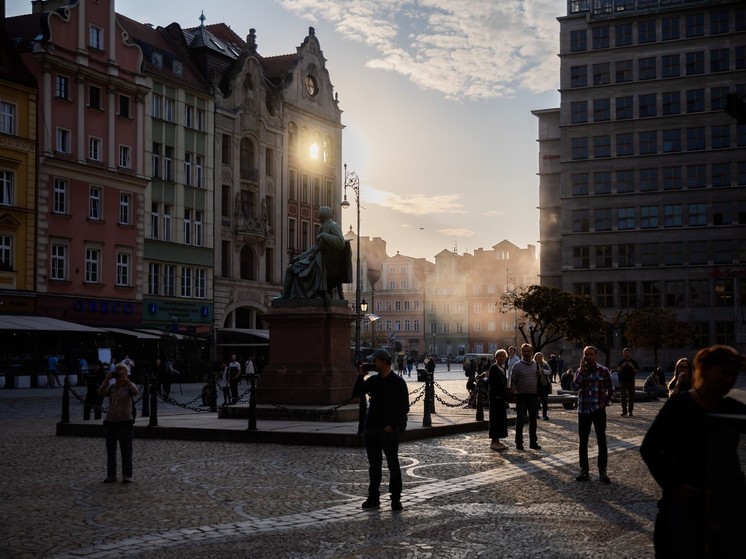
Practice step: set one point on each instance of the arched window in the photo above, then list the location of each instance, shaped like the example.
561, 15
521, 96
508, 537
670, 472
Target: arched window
248, 169
247, 263
328, 151
293, 137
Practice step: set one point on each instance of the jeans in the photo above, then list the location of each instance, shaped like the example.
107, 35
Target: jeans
379, 442
628, 396
234, 390
118, 432
598, 420
525, 402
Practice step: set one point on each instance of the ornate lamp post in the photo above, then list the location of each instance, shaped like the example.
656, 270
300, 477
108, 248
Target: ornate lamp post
353, 183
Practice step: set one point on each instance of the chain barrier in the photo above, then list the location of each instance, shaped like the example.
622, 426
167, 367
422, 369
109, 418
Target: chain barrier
460, 402
421, 391
98, 407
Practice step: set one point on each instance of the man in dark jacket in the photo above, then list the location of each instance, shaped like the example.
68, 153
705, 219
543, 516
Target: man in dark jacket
386, 418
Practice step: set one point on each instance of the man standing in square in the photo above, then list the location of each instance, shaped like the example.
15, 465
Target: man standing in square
524, 383
593, 383
627, 370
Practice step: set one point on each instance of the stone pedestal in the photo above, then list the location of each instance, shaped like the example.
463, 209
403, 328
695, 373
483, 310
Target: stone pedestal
310, 361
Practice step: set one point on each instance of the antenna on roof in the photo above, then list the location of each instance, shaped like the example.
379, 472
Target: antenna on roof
455, 247
202, 19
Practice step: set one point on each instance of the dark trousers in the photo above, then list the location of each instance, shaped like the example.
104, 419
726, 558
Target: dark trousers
92, 401
234, 390
544, 399
628, 396
166, 387
523, 403
598, 420
118, 432
379, 442
226, 394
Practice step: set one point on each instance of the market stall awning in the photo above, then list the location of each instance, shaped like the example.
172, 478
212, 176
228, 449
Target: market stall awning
42, 324
136, 333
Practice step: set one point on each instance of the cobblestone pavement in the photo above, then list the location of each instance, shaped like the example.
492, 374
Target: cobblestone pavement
211, 499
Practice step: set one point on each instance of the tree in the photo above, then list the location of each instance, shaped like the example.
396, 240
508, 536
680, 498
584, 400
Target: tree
550, 315
603, 339
656, 327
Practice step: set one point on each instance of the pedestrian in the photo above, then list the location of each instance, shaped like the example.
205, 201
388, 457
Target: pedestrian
119, 421
523, 382
52, 380
430, 365
410, 365
498, 392
553, 366
400, 365
93, 381
386, 418
512, 358
682, 379
249, 367
566, 379
655, 384
627, 370
560, 361
225, 384
544, 382
593, 383
234, 375
448, 362
169, 373
701, 511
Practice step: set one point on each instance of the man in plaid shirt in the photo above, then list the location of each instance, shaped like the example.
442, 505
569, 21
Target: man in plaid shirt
594, 386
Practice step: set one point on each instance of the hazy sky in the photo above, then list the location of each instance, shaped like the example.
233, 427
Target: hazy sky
436, 97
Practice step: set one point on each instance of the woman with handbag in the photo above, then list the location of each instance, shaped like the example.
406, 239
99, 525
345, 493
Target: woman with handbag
543, 382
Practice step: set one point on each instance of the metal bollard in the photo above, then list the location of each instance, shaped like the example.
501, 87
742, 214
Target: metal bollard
66, 401
213, 395
430, 385
252, 401
153, 403
480, 400
145, 400
427, 420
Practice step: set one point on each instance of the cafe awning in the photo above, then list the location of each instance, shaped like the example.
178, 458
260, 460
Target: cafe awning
242, 337
42, 324
137, 334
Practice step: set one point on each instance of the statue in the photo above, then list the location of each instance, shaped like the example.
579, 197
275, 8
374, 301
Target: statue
324, 266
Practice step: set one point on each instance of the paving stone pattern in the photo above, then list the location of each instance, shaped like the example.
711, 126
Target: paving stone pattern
228, 500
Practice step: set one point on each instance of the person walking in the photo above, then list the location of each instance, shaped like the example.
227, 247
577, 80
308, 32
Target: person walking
93, 381
225, 384
52, 380
523, 382
119, 421
696, 464
593, 383
553, 364
234, 372
544, 382
498, 389
448, 362
627, 370
386, 418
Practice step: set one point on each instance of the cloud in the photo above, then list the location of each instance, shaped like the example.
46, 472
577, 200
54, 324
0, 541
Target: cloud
465, 49
413, 204
457, 232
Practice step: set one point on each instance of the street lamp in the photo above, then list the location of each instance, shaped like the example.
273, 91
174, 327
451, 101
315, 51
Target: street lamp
353, 182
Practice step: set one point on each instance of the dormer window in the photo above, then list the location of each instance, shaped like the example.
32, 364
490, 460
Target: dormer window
156, 59
178, 68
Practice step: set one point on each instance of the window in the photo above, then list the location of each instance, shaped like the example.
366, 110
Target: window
646, 31
601, 37
671, 102
155, 161
646, 68
627, 294
200, 119
602, 182
168, 109
62, 87
605, 294
60, 196
650, 253
7, 118
580, 184
719, 60
154, 220
695, 100
226, 144
187, 226
581, 257
601, 73
695, 63
725, 333
672, 140
624, 107
740, 57
624, 144
156, 58
672, 216
694, 25
672, 178
699, 293
95, 37
125, 203
603, 256
579, 148
157, 102
601, 110
719, 97
695, 138
6, 252
154, 279
198, 227
649, 217
648, 142
169, 280
720, 175
58, 270
697, 252
670, 66
578, 112
167, 222
601, 146
123, 269
94, 203
649, 179
625, 181
625, 218
582, 289
670, 28
200, 284
94, 148
124, 106
696, 176
722, 251
623, 35
623, 71
719, 22
674, 254
125, 154
647, 105
7, 179
697, 215
578, 41
198, 171
63, 140
721, 136
651, 294
92, 265
188, 169
168, 159
722, 213
578, 76
186, 282
188, 116
580, 221
626, 255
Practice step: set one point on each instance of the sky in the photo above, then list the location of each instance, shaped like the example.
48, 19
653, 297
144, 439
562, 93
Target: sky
436, 97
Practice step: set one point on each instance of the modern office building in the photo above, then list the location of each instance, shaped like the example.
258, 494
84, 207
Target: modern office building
642, 172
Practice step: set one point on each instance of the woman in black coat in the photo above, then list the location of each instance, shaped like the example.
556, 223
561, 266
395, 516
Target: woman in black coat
498, 383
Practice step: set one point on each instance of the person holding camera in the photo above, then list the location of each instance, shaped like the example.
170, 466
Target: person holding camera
682, 377
118, 422
593, 383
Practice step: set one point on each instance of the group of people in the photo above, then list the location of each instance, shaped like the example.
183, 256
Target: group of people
230, 377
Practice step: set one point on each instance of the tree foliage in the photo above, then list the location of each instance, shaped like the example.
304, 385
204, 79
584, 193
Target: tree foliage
656, 327
550, 314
